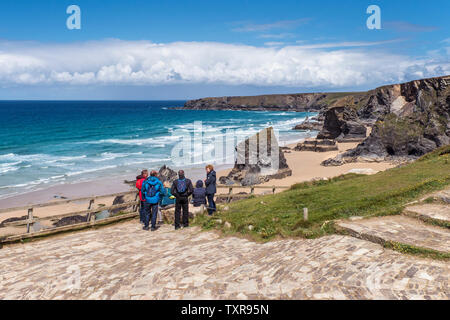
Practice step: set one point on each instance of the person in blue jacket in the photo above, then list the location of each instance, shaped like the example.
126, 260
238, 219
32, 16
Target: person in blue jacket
210, 183
151, 190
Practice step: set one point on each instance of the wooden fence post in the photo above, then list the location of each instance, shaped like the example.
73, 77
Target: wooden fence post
252, 190
305, 214
136, 207
91, 202
92, 218
230, 192
30, 220
273, 189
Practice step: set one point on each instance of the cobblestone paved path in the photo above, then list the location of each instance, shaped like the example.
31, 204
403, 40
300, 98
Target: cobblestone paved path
124, 262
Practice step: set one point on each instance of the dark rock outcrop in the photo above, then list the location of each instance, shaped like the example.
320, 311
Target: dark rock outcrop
70, 220
308, 125
317, 145
342, 124
120, 200
13, 219
167, 174
254, 166
164, 174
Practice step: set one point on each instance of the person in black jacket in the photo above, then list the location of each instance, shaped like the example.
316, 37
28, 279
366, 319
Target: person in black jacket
211, 189
182, 188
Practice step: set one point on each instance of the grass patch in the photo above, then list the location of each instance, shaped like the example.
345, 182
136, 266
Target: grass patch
429, 200
386, 193
412, 250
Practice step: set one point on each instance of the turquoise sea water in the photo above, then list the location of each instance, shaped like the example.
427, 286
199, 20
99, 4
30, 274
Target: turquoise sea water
44, 143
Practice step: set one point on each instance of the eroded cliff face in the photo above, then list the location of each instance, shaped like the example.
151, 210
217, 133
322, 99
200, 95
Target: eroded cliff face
413, 119
342, 124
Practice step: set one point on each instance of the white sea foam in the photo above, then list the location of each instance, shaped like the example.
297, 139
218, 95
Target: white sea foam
39, 157
75, 173
8, 169
108, 156
160, 141
32, 184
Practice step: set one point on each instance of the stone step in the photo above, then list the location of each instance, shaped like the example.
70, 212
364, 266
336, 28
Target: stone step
437, 212
400, 229
444, 195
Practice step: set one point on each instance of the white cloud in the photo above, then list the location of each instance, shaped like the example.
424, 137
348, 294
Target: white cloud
116, 62
283, 24
276, 36
274, 43
349, 44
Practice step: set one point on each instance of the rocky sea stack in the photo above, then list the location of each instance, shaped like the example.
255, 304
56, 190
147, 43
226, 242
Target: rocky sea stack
255, 164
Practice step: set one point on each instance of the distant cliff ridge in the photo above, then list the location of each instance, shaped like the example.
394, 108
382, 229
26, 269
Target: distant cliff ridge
300, 102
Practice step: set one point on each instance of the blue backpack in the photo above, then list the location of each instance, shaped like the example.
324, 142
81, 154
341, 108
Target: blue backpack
181, 186
149, 190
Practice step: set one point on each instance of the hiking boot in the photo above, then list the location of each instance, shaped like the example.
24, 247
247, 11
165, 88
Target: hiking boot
155, 228
146, 228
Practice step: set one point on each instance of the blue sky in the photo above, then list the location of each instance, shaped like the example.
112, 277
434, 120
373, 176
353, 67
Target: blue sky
188, 49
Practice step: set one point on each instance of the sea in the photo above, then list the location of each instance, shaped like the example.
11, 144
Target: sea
48, 143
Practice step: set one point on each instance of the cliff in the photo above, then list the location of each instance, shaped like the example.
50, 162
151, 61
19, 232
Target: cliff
300, 102
409, 120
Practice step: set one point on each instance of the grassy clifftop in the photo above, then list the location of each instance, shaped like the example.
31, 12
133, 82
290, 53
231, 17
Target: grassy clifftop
279, 102
385, 193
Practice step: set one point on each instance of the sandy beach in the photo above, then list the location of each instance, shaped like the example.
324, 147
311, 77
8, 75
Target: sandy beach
305, 166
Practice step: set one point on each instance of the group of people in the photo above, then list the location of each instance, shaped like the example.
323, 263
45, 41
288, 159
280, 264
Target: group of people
154, 195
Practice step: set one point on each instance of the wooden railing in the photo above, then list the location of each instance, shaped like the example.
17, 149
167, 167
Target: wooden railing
231, 196
90, 212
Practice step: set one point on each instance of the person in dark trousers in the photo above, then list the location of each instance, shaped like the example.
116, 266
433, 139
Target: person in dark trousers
151, 190
182, 188
139, 180
199, 195
211, 189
